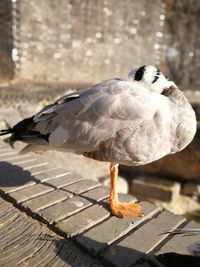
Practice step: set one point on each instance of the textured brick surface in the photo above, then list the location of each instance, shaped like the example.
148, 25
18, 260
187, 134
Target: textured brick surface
77, 206
83, 220
98, 238
81, 186
65, 180
180, 243
13, 181
20, 159
50, 174
148, 187
64, 209
46, 200
27, 165
30, 192
142, 241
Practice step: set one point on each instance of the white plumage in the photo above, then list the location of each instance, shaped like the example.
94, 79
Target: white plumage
120, 121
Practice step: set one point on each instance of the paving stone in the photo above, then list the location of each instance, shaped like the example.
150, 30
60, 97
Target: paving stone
139, 243
52, 198
6, 167
27, 165
8, 156
154, 188
97, 194
40, 169
179, 243
20, 159
99, 237
64, 209
126, 198
13, 181
50, 174
30, 192
46, 200
83, 220
65, 180
31, 164
81, 186
7, 152
5, 149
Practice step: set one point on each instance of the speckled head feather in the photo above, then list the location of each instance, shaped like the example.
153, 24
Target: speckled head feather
151, 78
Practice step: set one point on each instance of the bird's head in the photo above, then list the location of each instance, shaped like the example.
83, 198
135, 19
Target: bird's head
151, 78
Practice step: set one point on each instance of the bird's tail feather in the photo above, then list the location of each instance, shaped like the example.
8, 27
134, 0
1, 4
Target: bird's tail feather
24, 131
7, 131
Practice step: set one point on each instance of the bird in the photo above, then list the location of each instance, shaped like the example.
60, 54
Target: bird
133, 121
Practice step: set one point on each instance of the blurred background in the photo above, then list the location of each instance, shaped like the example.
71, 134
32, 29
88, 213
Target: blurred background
48, 48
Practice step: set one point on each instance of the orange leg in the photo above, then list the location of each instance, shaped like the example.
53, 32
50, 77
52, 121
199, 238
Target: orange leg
120, 209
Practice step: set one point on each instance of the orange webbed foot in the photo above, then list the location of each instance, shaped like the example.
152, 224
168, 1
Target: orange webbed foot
126, 210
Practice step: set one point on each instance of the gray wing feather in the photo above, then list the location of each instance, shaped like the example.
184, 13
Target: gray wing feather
95, 114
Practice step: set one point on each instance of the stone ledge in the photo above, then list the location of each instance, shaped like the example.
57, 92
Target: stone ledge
154, 188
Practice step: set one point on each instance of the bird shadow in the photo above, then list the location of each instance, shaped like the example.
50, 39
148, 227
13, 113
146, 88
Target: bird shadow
13, 177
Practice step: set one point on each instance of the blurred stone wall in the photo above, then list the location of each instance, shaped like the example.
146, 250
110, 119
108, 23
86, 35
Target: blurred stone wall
182, 42
86, 41
6, 65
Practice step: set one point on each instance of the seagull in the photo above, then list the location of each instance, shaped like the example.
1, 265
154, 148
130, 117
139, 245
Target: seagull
132, 121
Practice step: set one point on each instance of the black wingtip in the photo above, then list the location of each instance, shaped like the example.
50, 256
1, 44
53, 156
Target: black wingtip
7, 131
